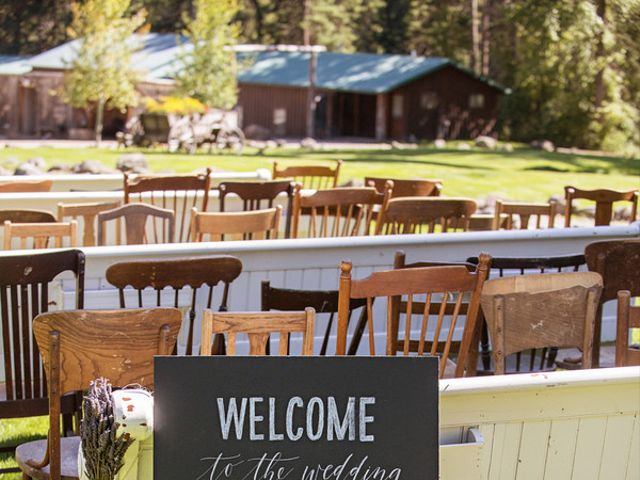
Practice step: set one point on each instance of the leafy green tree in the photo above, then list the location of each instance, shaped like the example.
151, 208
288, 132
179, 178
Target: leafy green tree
102, 73
208, 71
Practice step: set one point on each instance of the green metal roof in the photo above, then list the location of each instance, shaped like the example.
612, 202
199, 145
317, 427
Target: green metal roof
14, 65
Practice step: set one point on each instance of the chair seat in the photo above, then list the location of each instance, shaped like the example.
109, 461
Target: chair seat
69, 447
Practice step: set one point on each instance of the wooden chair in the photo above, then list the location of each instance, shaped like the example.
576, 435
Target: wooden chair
524, 212
26, 216
171, 191
259, 326
407, 188
40, 234
24, 293
628, 318
538, 311
178, 274
137, 232
404, 215
618, 262
338, 212
322, 301
604, 200
20, 186
252, 225
78, 346
88, 212
435, 283
258, 195
313, 177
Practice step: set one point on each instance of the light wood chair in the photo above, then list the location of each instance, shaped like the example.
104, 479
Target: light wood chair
313, 177
136, 230
259, 326
172, 192
251, 225
20, 186
407, 188
435, 283
88, 212
628, 318
524, 212
604, 200
541, 311
40, 234
404, 215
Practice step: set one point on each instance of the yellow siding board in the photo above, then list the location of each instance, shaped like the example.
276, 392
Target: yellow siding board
562, 447
617, 441
533, 451
586, 463
633, 463
488, 432
504, 457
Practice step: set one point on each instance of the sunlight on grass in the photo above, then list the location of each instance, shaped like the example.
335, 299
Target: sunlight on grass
17, 431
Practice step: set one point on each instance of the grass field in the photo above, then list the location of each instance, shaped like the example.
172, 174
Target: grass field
16, 431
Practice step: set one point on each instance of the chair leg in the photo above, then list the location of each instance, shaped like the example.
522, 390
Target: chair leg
484, 347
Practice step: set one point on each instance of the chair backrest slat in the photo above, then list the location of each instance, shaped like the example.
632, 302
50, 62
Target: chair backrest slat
315, 177
407, 188
89, 213
628, 318
249, 225
40, 234
136, 217
505, 212
26, 186
604, 200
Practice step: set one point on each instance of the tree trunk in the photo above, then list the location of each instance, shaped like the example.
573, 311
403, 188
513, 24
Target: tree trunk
306, 32
99, 120
475, 37
486, 37
600, 55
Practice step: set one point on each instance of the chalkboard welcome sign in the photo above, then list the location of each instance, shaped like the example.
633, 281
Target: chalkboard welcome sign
296, 418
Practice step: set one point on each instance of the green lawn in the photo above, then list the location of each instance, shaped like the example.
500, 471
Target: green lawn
16, 431
524, 174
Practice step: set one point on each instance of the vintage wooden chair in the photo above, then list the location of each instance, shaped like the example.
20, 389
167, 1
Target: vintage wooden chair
407, 188
252, 225
259, 326
604, 200
78, 346
88, 212
628, 318
436, 283
618, 262
176, 275
136, 230
422, 215
524, 212
26, 216
313, 177
258, 195
171, 191
337, 212
24, 293
20, 186
39, 235
538, 311
322, 301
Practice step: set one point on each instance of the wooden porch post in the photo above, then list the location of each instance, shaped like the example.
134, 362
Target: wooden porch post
381, 116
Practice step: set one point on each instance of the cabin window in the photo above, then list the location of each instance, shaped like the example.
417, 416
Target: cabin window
429, 101
397, 106
476, 100
279, 121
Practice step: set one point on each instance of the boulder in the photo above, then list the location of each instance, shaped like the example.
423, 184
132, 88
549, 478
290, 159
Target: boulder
622, 213
27, 169
4, 171
257, 132
440, 143
507, 147
37, 162
464, 146
309, 143
546, 145
484, 141
133, 163
91, 166
60, 168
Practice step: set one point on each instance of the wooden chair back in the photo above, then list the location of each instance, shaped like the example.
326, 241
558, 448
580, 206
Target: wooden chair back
172, 276
407, 188
436, 284
40, 235
88, 212
20, 186
524, 212
604, 200
259, 326
322, 301
422, 215
26, 216
338, 212
172, 192
628, 318
135, 217
251, 225
312, 177
78, 346
538, 311
259, 195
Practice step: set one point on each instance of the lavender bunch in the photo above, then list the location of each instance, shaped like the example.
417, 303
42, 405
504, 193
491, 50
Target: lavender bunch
102, 448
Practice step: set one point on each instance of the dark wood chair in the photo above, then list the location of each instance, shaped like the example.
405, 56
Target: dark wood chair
407, 188
78, 346
422, 215
135, 217
251, 225
618, 262
628, 317
175, 275
524, 212
604, 200
88, 212
313, 177
26, 216
171, 191
40, 235
434, 282
337, 212
259, 326
19, 186
540, 311
322, 301
24, 293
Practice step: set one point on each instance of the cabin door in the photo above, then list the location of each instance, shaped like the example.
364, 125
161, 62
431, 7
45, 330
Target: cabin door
27, 99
